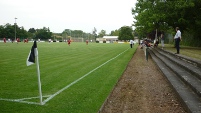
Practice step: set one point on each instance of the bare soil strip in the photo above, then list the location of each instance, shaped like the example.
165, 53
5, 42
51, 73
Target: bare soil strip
142, 89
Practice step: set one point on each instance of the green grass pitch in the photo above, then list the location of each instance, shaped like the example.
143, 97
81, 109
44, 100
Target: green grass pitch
60, 65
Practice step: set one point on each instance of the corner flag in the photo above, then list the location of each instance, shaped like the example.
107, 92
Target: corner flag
33, 53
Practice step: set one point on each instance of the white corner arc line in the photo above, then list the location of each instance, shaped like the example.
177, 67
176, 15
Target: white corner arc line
20, 101
23, 100
72, 83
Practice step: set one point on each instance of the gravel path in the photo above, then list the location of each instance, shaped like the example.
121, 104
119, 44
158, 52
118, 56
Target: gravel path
142, 89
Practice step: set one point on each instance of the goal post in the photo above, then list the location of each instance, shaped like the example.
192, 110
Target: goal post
77, 39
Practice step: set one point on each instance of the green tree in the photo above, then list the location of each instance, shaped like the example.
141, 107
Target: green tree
66, 33
32, 33
125, 33
22, 33
114, 33
77, 33
43, 33
8, 31
160, 14
94, 32
102, 33
2, 32
32, 30
73, 33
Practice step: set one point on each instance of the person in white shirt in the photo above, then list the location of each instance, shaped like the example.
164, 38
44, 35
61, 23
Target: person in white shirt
177, 38
162, 40
131, 43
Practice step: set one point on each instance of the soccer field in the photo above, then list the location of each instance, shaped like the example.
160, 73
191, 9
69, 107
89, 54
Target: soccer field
75, 79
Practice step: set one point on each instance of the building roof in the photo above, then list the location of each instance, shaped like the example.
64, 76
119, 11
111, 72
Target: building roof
110, 37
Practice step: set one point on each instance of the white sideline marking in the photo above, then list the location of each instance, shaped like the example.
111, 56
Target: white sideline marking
61, 90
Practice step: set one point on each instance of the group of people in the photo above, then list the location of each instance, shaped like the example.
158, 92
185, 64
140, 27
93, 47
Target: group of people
177, 39
12, 40
69, 41
146, 42
26, 40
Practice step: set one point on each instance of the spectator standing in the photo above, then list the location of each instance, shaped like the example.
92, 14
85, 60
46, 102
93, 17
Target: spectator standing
162, 40
131, 43
156, 43
177, 38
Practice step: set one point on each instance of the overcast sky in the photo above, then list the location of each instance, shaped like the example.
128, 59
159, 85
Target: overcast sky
68, 14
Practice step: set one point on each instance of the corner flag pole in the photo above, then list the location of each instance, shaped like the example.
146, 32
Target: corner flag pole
31, 60
39, 82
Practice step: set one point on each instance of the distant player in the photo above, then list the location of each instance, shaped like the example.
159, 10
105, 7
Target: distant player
4, 40
18, 40
69, 42
87, 42
25, 40
49, 40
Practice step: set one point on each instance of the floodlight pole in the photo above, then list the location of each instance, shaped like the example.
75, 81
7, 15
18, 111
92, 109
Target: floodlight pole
15, 28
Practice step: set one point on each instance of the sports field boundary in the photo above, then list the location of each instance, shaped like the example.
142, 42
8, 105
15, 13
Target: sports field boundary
49, 97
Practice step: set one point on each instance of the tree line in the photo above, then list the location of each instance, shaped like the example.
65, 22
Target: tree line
9, 31
153, 17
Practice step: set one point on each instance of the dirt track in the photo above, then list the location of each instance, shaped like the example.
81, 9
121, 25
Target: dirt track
142, 89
